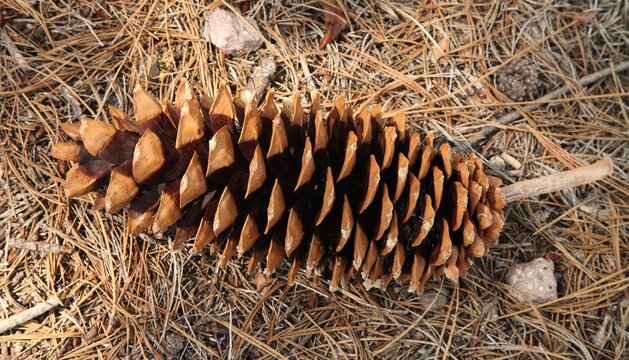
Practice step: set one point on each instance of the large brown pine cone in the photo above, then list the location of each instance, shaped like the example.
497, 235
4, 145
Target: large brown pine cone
341, 195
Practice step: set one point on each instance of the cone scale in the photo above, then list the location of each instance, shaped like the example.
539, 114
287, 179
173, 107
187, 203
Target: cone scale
341, 195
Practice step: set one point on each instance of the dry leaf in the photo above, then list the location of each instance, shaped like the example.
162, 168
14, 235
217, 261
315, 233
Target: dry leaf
587, 17
441, 49
261, 281
334, 23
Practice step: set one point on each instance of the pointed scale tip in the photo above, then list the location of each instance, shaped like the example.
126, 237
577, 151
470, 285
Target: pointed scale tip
96, 135
149, 157
193, 183
82, 179
168, 212
121, 188
69, 151
146, 107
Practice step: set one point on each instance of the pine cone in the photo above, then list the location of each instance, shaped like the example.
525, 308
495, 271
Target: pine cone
519, 80
344, 195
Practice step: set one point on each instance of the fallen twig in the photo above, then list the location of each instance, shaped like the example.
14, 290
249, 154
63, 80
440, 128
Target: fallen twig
516, 114
157, 344
8, 43
260, 80
307, 74
40, 247
559, 181
29, 314
324, 316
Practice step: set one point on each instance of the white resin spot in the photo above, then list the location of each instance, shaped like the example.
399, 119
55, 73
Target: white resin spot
402, 172
389, 216
345, 232
427, 225
213, 144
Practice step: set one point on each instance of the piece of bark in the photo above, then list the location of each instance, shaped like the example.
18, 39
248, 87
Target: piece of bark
40, 247
260, 80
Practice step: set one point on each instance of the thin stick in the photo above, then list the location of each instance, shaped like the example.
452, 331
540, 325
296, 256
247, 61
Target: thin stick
559, 181
8, 43
260, 80
29, 314
516, 114
40, 246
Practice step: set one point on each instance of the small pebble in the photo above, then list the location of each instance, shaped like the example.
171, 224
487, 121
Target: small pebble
498, 163
440, 299
533, 281
230, 33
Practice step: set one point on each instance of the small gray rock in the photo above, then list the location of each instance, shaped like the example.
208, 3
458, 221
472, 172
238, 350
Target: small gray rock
230, 33
533, 281
498, 163
440, 299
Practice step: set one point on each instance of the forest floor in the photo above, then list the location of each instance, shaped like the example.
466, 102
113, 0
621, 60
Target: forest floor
436, 60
